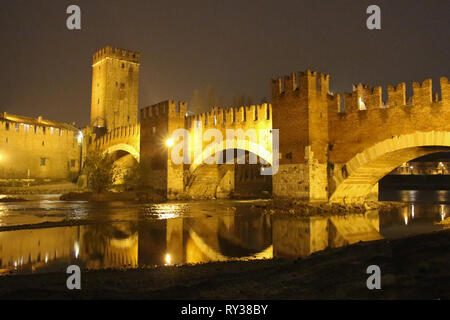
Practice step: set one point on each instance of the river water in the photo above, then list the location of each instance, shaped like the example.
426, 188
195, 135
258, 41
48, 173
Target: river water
45, 234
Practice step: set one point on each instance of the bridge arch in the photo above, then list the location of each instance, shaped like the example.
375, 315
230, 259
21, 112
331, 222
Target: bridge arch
355, 179
205, 180
246, 145
123, 147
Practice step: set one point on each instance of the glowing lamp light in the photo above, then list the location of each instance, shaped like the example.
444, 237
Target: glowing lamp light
168, 259
169, 142
80, 137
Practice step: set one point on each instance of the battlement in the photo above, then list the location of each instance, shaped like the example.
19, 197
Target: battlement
231, 116
164, 108
302, 83
116, 53
119, 133
365, 97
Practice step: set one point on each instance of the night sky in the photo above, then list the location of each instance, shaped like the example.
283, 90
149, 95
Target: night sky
236, 47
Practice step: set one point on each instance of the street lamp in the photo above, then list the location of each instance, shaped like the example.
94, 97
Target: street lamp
169, 142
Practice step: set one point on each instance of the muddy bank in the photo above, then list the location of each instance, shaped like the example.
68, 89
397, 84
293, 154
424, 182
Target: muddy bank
139, 196
12, 199
412, 268
297, 207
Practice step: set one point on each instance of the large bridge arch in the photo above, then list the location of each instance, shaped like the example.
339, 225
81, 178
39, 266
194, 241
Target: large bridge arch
123, 147
355, 179
219, 180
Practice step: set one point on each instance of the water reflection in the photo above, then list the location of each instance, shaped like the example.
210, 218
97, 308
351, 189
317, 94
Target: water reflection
130, 237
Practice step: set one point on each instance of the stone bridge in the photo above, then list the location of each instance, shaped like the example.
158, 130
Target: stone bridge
331, 147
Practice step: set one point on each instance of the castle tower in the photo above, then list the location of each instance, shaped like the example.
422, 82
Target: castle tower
115, 84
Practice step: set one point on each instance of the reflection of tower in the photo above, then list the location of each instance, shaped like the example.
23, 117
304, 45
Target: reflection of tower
115, 84
174, 252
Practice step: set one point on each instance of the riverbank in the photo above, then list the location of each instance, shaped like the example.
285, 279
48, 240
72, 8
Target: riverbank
411, 268
45, 188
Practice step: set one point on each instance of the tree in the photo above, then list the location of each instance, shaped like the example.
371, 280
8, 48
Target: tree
99, 170
135, 177
203, 102
242, 100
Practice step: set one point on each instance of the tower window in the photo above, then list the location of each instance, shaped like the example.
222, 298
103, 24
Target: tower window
16, 126
43, 162
72, 163
7, 126
123, 65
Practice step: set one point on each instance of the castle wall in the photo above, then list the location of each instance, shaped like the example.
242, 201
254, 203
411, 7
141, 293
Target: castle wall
37, 151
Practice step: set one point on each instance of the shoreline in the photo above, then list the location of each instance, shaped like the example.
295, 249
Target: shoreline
411, 268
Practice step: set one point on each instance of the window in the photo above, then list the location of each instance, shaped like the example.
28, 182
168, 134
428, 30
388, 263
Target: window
154, 130
35, 129
43, 143
43, 162
16, 126
7, 126
72, 163
123, 65
43, 131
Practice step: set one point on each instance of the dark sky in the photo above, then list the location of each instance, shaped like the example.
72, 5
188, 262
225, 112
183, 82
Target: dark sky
234, 46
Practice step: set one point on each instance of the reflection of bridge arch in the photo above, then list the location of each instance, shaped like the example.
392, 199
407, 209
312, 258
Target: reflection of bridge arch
213, 255
123, 147
359, 175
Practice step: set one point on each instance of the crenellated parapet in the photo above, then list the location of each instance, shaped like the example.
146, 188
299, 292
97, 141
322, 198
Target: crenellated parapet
116, 53
301, 84
397, 95
243, 116
445, 89
365, 97
169, 108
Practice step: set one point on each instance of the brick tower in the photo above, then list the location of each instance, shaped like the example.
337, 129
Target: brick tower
300, 112
115, 84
